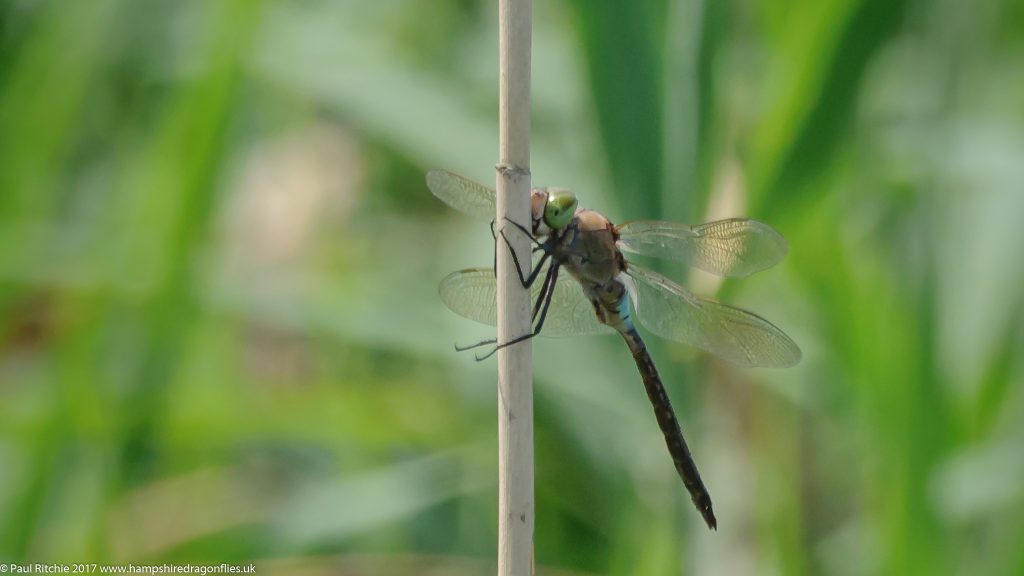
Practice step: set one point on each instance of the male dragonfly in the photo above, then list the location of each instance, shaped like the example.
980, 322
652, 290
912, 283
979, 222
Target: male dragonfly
587, 246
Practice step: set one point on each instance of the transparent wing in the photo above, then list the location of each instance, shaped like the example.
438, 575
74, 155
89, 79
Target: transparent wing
463, 194
735, 335
471, 293
734, 247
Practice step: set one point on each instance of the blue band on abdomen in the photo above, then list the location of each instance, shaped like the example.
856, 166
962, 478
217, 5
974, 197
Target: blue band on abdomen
625, 314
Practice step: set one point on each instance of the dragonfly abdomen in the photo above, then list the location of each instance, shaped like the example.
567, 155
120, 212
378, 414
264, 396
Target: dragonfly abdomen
669, 425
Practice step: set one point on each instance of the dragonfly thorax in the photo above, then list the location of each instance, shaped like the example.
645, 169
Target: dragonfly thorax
587, 250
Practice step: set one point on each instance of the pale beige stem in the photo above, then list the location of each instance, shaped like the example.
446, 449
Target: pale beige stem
515, 363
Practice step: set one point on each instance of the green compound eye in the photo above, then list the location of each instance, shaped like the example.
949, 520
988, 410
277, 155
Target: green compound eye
560, 208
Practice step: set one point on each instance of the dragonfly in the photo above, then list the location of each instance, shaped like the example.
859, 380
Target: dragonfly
610, 294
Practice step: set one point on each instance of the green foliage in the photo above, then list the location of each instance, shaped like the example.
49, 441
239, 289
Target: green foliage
220, 338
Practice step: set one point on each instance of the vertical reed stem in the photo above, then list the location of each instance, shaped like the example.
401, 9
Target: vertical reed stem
515, 368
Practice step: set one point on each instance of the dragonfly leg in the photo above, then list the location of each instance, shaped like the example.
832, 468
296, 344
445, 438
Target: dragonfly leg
489, 341
495, 236
546, 291
546, 294
538, 245
543, 301
476, 345
526, 281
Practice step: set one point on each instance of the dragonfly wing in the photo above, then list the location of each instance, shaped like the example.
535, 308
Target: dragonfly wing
471, 293
571, 313
734, 247
735, 335
463, 194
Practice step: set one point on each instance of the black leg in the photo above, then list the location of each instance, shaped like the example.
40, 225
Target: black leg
538, 247
547, 286
546, 298
477, 345
495, 261
528, 280
537, 244
525, 232
542, 296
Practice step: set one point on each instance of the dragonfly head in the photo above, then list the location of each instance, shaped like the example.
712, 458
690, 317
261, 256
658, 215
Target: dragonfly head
559, 208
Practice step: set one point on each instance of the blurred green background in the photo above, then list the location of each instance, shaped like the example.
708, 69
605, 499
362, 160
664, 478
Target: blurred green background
220, 338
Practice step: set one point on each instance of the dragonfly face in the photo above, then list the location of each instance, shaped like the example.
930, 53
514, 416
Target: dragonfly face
559, 208
590, 248
551, 209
